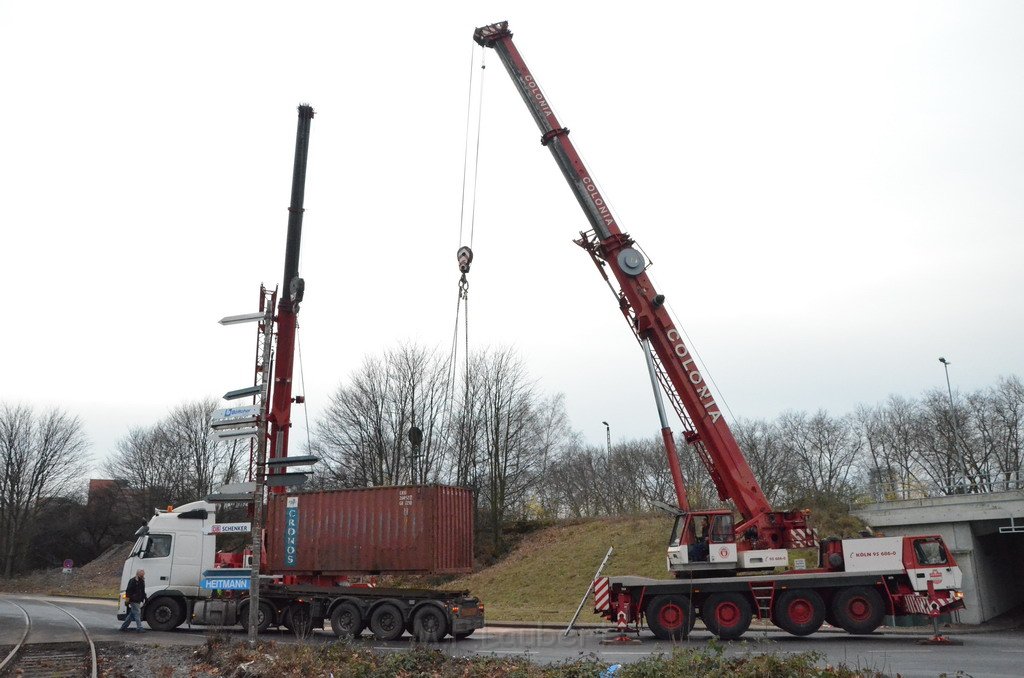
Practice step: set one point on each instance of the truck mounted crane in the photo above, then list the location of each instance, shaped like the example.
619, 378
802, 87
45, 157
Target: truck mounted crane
858, 581
762, 535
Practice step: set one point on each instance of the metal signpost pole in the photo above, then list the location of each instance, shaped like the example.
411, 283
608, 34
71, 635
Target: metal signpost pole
257, 500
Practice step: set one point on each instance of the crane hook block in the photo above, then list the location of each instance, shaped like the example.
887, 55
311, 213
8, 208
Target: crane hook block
465, 257
631, 262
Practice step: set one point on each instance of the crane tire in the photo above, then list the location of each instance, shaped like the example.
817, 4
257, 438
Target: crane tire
726, 615
799, 612
670, 617
858, 609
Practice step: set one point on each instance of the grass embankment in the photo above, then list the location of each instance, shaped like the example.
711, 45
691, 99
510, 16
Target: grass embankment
342, 659
545, 577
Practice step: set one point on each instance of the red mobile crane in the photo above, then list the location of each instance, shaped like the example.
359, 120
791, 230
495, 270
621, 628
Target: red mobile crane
762, 530
860, 579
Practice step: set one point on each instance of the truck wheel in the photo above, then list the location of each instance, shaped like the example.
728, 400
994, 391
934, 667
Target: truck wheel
670, 617
858, 609
164, 614
799, 612
727, 615
346, 621
298, 620
429, 624
386, 622
264, 616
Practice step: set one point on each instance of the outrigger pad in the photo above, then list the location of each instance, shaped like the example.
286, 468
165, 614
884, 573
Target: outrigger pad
940, 640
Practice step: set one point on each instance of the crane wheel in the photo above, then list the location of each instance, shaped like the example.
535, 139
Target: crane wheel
670, 617
799, 612
858, 609
727, 615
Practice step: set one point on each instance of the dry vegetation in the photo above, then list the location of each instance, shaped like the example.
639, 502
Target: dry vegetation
341, 659
99, 578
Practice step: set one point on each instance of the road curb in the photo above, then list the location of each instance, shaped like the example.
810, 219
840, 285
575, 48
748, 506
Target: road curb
925, 631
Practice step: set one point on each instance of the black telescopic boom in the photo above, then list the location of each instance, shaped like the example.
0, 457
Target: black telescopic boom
291, 255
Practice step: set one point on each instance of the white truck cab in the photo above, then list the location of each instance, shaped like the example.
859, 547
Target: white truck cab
174, 548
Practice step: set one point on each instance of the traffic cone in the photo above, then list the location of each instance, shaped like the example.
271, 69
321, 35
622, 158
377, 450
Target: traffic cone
621, 629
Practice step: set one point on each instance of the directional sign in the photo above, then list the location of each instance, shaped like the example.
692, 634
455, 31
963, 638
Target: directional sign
243, 318
228, 498
237, 432
245, 411
246, 392
303, 460
286, 479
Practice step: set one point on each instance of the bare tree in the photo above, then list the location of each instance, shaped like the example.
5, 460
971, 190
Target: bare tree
508, 433
42, 456
363, 435
768, 457
825, 451
174, 461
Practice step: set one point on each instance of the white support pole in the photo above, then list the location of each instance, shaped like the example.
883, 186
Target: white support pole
589, 589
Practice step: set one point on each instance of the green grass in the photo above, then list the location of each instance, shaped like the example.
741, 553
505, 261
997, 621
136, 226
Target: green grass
545, 577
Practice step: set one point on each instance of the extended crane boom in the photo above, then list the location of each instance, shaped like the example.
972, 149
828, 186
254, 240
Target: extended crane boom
644, 310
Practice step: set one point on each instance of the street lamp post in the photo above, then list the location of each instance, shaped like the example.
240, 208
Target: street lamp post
952, 414
608, 435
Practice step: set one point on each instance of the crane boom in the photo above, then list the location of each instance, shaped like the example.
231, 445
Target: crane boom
644, 309
291, 296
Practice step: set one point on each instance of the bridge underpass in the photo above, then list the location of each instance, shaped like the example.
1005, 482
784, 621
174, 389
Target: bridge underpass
985, 532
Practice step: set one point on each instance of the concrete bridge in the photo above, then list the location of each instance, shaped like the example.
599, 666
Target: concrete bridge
985, 532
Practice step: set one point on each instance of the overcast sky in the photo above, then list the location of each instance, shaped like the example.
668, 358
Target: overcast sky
830, 193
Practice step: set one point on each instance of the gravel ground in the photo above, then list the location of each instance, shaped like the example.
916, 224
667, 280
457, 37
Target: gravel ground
123, 660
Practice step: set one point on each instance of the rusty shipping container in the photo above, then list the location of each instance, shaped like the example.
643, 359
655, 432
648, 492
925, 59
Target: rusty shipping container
416, 529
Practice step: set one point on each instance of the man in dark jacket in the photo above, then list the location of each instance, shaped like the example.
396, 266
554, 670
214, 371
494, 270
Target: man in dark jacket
135, 593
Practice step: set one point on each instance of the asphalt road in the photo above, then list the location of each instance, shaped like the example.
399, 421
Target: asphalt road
991, 654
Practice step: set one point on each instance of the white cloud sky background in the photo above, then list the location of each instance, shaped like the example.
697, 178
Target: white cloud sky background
831, 195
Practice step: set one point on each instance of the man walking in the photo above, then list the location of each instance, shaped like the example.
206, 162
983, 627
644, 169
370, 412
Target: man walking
136, 595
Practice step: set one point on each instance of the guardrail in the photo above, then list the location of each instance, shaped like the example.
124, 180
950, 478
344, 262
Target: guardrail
924, 489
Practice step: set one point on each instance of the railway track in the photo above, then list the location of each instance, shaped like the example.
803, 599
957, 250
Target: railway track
51, 660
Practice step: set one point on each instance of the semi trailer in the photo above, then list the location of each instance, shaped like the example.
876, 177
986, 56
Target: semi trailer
324, 552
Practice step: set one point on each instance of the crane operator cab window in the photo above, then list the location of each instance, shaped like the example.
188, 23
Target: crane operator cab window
698, 548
